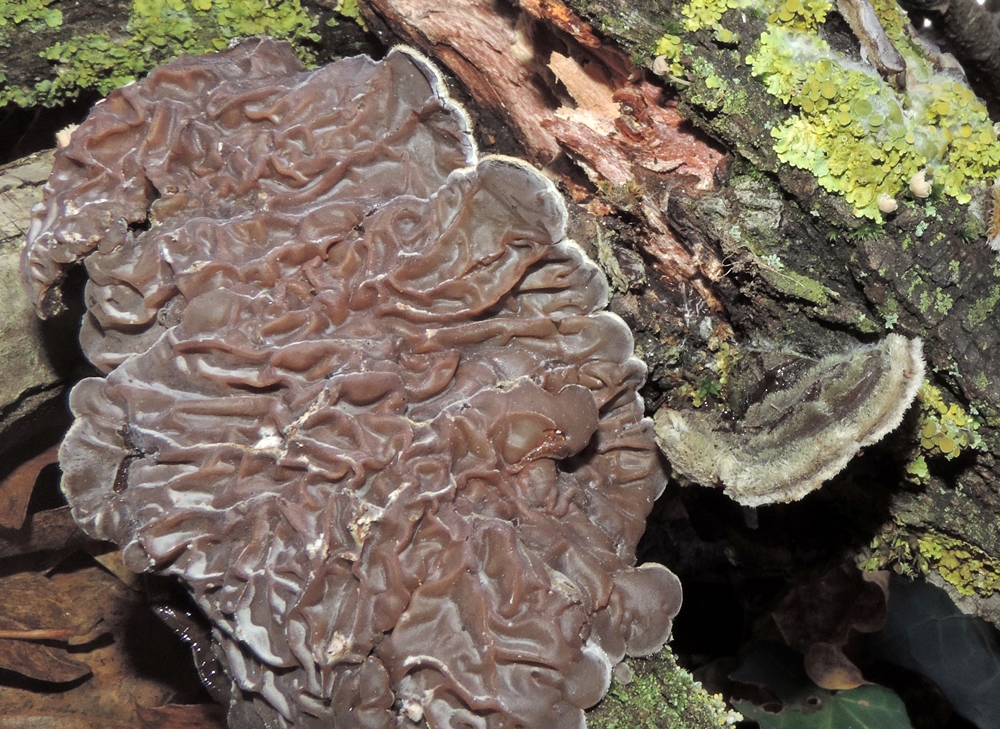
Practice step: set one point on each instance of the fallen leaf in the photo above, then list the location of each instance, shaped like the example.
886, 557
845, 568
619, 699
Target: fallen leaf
828, 667
40, 661
59, 721
800, 704
186, 716
50, 530
15, 490
33, 608
823, 617
113, 562
141, 664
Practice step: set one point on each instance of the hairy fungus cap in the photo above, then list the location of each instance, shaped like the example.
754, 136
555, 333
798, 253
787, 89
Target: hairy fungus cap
791, 442
360, 395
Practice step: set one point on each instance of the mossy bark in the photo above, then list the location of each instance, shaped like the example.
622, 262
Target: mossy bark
805, 273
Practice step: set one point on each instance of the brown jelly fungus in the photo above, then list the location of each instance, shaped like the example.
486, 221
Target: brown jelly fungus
360, 395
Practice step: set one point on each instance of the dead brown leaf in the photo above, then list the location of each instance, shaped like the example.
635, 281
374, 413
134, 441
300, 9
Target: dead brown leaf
828, 667
40, 661
33, 602
140, 664
33, 608
113, 562
825, 617
59, 721
15, 490
183, 716
50, 530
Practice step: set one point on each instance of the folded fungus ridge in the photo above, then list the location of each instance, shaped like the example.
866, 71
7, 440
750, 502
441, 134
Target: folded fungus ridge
360, 395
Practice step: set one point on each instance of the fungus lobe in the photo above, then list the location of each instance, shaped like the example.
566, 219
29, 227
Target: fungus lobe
360, 395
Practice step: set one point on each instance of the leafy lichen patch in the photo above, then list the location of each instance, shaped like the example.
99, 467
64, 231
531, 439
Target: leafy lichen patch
861, 137
969, 569
945, 430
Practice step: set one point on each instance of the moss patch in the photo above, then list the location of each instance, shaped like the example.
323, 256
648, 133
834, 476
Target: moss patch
156, 31
660, 694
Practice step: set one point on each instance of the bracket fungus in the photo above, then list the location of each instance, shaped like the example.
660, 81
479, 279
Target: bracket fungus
793, 440
360, 395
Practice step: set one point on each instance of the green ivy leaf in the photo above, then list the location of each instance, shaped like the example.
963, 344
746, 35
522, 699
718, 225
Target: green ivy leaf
806, 706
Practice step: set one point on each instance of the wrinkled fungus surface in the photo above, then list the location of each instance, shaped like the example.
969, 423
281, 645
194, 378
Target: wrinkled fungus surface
360, 395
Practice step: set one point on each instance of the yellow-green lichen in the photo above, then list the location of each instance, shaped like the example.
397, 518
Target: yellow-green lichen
349, 9
726, 37
157, 31
801, 14
669, 48
696, 14
700, 14
713, 380
944, 430
966, 567
31, 14
860, 136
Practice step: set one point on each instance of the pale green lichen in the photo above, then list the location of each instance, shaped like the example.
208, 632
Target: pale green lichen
794, 284
709, 91
32, 14
157, 31
609, 263
980, 311
700, 14
349, 9
935, 300
860, 136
